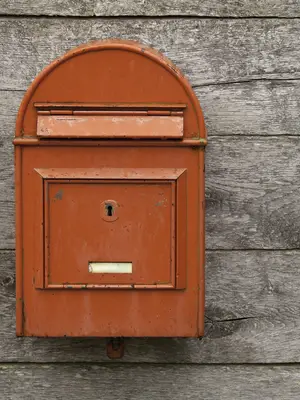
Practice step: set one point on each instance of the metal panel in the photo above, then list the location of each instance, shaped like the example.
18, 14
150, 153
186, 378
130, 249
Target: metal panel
144, 213
104, 126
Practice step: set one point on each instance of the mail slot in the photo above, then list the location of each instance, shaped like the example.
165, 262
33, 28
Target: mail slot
109, 158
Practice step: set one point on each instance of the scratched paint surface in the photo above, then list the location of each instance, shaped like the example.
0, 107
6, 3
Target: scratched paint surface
110, 126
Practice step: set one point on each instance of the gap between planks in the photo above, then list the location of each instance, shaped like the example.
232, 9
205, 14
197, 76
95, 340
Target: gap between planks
145, 17
203, 85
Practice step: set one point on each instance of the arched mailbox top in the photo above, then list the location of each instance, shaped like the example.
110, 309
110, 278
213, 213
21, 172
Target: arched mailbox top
112, 76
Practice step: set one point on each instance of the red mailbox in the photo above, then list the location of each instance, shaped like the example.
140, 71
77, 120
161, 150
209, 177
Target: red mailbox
109, 154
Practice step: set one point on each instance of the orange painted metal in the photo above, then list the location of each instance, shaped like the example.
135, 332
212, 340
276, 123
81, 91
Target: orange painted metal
149, 193
103, 126
89, 193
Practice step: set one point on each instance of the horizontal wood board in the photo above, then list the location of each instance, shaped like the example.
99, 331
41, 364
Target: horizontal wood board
26, 382
207, 50
252, 182
206, 8
252, 193
255, 108
252, 316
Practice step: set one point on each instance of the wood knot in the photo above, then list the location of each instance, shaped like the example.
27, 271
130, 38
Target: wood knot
9, 281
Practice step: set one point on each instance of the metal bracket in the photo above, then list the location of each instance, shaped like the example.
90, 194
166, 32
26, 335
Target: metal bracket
115, 348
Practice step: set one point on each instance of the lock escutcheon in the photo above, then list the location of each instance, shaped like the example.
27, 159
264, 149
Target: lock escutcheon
109, 210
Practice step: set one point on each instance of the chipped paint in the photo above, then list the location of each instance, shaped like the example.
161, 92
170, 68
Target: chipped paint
105, 126
59, 195
162, 203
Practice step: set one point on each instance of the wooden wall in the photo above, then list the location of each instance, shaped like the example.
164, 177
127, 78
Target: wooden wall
243, 60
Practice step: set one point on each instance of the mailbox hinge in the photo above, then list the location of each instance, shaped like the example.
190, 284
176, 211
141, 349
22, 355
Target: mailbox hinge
110, 109
165, 112
56, 111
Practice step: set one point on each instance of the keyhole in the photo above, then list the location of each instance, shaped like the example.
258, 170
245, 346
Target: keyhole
109, 210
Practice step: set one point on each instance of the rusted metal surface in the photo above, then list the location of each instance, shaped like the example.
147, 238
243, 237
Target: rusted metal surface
86, 207
115, 348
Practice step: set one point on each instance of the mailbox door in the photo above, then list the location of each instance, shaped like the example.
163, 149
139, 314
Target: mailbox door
112, 228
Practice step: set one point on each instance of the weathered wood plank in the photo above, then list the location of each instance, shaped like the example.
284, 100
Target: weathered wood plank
261, 108
7, 230
208, 51
213, 8
257, 108
252, 192
9, 105
7, 224
146, 382
252, 310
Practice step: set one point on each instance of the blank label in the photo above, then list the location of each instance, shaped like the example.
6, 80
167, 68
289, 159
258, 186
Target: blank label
110, 268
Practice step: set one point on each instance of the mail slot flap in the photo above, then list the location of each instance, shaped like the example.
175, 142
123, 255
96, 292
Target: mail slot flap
158, 121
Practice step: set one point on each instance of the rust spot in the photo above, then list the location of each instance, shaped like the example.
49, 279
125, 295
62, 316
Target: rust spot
161, 203
59, 195
115, 348
8, 281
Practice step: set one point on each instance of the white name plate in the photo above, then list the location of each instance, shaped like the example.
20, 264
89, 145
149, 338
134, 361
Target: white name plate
110, 267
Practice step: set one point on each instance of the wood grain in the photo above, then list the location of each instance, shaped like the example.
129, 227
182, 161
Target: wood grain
252, 316
261, 108
26, 382
208, 51
214, 8
256, 108
252, 192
